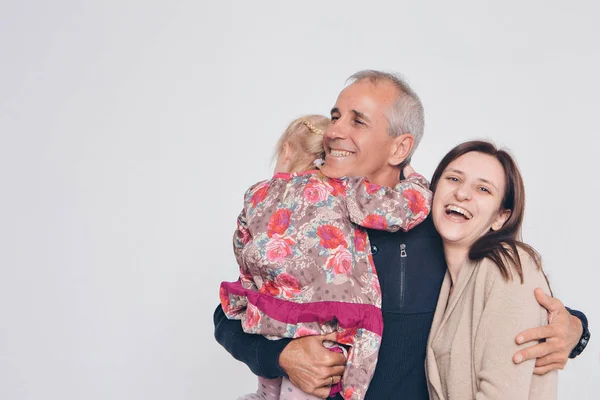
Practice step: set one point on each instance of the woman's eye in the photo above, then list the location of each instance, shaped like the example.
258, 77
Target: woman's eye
452, 178
359, 122
484, 189
334, 119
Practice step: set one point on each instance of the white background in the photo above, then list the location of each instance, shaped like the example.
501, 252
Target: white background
131, 129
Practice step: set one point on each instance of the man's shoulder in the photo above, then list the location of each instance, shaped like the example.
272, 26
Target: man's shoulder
423, 240
425, 229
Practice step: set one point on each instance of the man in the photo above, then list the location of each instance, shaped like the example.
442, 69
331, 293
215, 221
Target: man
377, 123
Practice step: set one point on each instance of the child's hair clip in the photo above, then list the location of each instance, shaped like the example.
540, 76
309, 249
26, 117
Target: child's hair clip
312, 128
319, 162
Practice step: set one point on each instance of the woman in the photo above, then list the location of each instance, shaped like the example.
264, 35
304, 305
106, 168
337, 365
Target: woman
487, 294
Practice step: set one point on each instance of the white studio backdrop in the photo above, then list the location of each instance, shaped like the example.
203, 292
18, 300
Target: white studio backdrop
129, 131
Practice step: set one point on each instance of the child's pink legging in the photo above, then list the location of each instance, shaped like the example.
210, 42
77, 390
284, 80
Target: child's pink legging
277, 389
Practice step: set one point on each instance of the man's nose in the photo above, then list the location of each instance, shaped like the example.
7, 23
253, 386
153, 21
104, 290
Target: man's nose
335, 132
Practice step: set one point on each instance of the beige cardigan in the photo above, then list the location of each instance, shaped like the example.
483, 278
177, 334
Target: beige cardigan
472, 338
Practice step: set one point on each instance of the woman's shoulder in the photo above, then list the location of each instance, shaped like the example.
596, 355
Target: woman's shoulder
530, 270
512, 299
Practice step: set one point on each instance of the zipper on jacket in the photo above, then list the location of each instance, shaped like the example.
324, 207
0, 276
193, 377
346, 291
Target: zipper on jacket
402, 272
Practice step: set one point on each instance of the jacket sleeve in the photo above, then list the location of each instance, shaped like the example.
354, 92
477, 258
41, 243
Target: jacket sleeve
379, 207
582, 318
243, 235
241, 238
509, 308
260, 354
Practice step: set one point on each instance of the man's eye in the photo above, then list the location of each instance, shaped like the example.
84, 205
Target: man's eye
358, 121
334, 118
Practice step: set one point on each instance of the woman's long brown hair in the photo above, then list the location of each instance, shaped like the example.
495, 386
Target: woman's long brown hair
500, 246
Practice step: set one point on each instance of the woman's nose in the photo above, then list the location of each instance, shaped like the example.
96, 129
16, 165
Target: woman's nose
463, 192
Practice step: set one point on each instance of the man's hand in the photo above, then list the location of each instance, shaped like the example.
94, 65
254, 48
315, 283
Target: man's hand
310, 366
562, 335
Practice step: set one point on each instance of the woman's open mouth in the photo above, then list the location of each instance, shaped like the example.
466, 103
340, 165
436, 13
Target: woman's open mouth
457, 211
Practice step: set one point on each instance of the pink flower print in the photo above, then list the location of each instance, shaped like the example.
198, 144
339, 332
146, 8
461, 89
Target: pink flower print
416, 201
269, 288
347, 394
338, 187
371, 187
302, 331
252, 317
278, 248
259, 194
242, 234
360, 239
279, 222
331, 237
315, 192
223, 295
346, 336
246, 279
376, 285
289, 285
372, 264
375, 221
340, 261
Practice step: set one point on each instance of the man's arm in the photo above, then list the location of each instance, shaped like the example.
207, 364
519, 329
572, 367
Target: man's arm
561, 336
309, 365
260, 354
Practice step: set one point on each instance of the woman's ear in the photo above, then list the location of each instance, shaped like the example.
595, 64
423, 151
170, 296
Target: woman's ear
401, 148
501, 219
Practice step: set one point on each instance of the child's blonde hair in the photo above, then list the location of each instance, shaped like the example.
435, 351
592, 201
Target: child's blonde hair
305, 137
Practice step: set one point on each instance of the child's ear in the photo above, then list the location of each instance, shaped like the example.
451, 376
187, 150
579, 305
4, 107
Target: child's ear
286, 152
284, 159
401, 148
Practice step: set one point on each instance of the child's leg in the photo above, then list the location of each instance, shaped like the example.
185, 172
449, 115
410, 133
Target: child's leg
290, 392
268, 389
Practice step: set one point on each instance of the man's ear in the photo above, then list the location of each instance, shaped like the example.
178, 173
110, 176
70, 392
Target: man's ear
401, 148
503, 216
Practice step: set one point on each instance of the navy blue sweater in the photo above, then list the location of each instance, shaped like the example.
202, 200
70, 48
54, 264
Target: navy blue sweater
411, 268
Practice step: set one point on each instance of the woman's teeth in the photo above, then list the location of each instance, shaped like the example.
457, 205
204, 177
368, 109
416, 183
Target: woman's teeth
459, 210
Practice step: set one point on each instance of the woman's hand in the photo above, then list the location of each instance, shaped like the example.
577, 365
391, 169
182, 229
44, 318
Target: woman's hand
561, 336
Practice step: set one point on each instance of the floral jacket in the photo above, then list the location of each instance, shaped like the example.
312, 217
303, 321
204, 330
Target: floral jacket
305, 261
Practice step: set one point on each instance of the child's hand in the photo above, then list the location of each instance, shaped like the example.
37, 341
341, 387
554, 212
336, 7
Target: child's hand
408, 170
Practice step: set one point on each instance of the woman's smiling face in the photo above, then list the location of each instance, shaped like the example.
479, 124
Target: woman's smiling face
468, 198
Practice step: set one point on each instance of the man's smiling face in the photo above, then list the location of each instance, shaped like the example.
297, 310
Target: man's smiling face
357, 142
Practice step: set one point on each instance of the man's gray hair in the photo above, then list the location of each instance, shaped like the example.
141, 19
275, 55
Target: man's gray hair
407, 114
